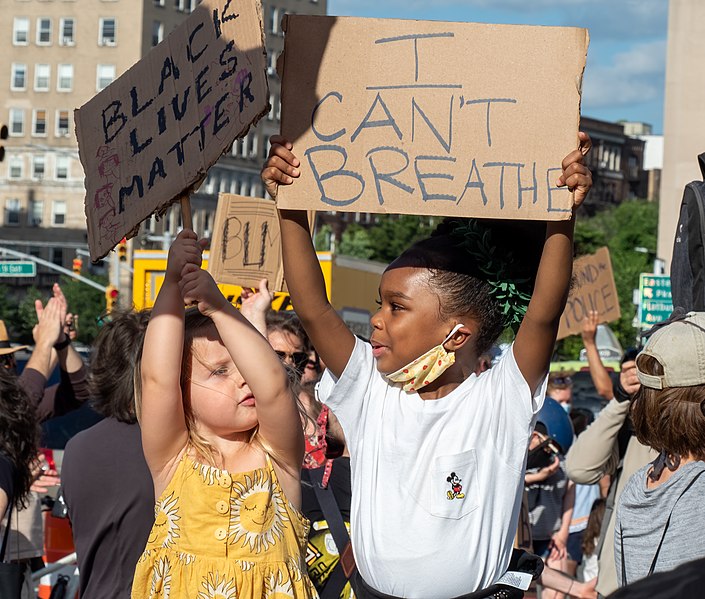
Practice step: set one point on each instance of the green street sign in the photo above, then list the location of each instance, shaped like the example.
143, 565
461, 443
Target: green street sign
18, 269
655, 300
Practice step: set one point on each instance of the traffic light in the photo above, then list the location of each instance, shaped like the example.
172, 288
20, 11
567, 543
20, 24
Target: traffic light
77, 265
122, 250
111, 298
3, 135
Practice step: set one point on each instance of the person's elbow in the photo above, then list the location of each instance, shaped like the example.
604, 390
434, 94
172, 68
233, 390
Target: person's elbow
580, 472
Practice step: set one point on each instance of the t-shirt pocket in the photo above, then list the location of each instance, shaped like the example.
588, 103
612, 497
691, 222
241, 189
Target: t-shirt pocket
448, 489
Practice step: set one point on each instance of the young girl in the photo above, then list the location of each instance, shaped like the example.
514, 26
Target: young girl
437, 453
222, 438
661, 510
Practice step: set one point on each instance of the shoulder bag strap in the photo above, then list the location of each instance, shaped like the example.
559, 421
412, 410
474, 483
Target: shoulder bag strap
665, 528
7, 530
345, 567
701, 161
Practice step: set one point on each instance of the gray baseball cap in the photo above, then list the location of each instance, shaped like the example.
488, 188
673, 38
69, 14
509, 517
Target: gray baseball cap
679, 347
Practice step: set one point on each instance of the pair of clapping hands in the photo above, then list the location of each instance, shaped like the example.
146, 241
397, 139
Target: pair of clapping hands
53, 319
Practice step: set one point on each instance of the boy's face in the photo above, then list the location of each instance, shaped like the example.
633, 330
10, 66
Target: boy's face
407, 323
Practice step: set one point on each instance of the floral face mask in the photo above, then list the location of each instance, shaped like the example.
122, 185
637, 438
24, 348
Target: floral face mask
426, 368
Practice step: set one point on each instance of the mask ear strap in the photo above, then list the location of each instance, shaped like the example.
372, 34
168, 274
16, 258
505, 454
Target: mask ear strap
456, 328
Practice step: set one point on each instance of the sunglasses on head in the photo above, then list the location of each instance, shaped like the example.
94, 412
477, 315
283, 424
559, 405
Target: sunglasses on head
562, 380
298, 358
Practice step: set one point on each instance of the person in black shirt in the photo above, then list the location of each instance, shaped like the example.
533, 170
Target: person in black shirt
106, 483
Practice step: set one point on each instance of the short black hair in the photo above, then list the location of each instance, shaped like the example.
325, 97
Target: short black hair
462, 284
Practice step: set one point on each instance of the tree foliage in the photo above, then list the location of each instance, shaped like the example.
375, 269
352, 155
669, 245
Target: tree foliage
89, 303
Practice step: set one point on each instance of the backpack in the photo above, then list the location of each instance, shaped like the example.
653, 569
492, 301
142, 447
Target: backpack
688, 262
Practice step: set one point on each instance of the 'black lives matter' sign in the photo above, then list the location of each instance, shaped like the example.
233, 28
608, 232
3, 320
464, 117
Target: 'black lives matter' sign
155, 131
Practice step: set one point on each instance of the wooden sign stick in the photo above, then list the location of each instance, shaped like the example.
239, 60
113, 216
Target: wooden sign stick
186, 212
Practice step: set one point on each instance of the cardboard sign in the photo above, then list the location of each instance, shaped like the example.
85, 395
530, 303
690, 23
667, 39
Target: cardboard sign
593, 288
246, 244
455, 119
154, 132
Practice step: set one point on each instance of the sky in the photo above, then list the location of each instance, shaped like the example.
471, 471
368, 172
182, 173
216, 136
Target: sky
625, 73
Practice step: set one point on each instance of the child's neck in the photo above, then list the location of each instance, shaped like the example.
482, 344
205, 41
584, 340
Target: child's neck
236, 452
447, 382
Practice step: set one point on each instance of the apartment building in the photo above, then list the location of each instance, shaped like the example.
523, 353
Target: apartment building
60, 53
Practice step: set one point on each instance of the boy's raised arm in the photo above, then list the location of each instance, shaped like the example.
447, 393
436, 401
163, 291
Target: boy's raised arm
329, 334
537, 334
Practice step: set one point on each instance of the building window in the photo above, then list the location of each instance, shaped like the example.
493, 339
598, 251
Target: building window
270, 114
62, 123
106, 75
107, 32
20, 31
19, 77
43, 31
158, 2
38, 162
65, 78
36, 213
16, 121
274, 20
39, 123
58, 212
56, 256
67, 29
16, 167
157, 32
272, 68
62, 167
12, 212
42, 74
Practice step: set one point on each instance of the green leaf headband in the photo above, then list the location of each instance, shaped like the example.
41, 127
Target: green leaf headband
477, 242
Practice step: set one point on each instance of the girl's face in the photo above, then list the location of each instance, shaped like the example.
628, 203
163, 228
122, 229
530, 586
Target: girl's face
407, 323
221, 401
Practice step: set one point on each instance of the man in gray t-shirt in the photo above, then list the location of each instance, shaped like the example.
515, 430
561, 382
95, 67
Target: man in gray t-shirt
643, 514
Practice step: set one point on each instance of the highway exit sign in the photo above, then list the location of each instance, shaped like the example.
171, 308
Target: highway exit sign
18, 269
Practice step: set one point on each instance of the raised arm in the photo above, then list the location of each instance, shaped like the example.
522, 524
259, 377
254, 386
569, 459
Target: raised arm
600, 377
263, 371
327, 331
164, 432
537, 334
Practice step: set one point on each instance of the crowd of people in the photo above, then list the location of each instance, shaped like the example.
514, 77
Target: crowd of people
251, 453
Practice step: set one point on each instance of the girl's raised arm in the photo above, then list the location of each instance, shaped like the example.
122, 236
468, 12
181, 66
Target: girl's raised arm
164, 432
329, 334
537, 334
263, 371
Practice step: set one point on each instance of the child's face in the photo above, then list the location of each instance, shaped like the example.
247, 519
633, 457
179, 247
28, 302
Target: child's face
407, 323
221, 401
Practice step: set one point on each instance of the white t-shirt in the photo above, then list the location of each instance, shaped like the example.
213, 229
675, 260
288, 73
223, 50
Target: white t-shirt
436, 484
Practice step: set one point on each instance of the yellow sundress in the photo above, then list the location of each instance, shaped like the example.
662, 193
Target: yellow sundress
224, 535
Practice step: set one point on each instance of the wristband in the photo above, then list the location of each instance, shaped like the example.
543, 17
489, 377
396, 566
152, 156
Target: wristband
620, 394
59, 345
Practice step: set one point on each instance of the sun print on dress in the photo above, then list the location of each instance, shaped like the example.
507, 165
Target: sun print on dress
215, 587
166, 518
277, 587
257, 512
161, 579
